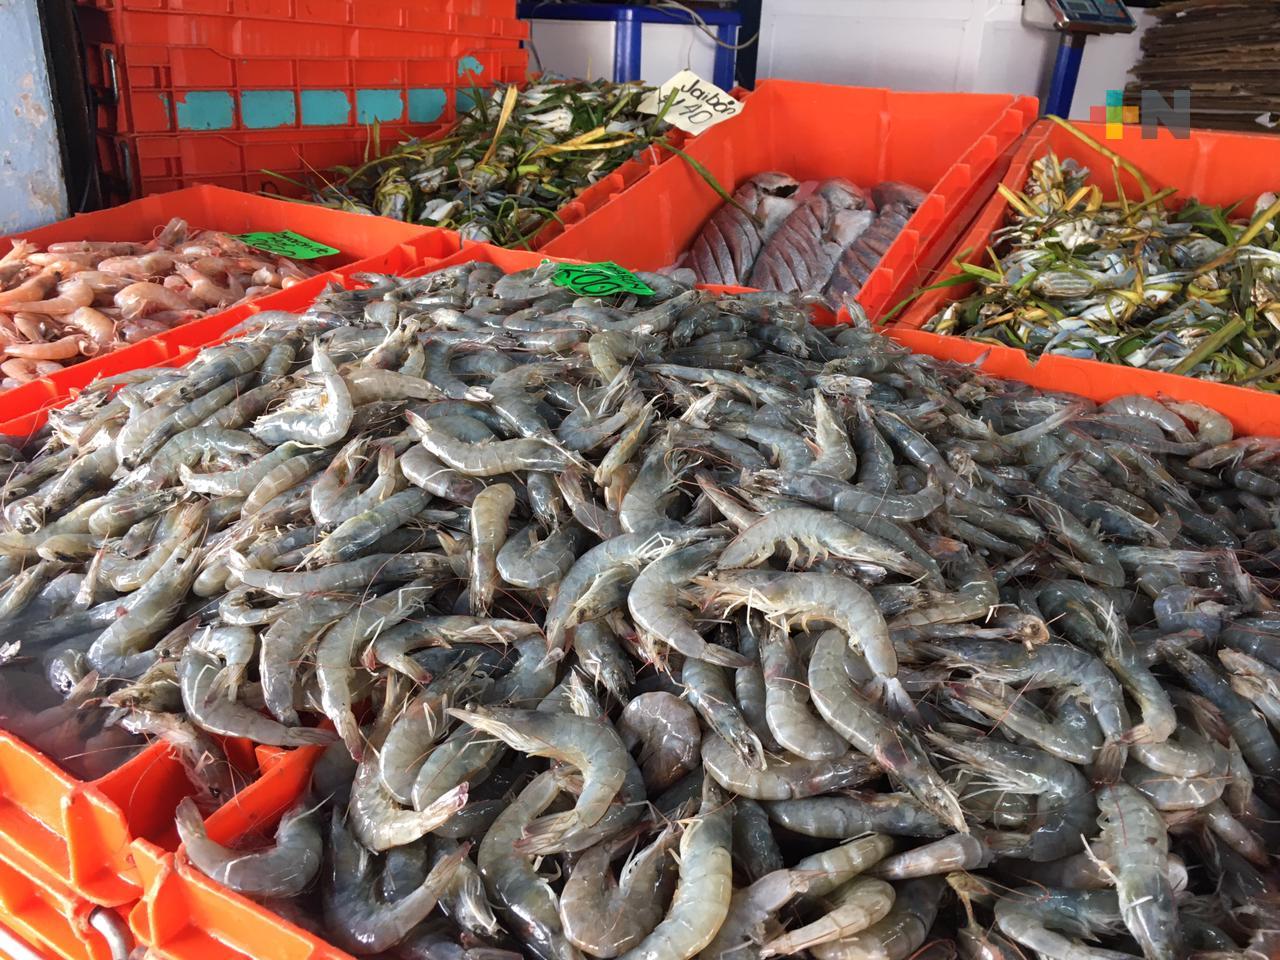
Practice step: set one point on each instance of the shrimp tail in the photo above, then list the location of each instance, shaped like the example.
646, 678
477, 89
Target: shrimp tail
348, 730
311, 737
547, 834
724, 657
1111, 758
897, 702
188, 819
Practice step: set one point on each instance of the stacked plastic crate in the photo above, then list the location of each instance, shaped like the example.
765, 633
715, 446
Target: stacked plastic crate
220, 91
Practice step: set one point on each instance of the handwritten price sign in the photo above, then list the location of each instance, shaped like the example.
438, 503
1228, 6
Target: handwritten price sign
286, 243
698, 104
599, 280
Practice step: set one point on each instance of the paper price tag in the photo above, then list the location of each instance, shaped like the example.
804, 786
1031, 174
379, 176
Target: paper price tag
286, 243
599, 280
698, 104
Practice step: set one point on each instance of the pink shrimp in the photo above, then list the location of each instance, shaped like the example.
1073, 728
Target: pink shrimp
62, 349
171, 234
21, 250
30, 326
65, 263
95, 324
140, 267
24, 371
33, 288
103, 283
105, 247
141, 298
131, 331
172, 318
72, 295
206, 289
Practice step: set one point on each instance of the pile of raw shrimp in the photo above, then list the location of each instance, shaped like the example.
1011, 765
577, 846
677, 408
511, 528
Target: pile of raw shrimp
669, 626
76, 299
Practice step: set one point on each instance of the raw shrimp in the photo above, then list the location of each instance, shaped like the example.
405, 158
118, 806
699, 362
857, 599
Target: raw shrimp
703, 891
815, 532
198, 673
902, 931
1139, 847
847, 712
490, 512
357, 920
282, 870
654, 606
782, 780
857, 905
593, 747
667, 729
528, 901
825, 597
605, 917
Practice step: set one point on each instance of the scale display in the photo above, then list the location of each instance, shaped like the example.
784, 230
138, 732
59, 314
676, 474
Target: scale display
1082, 16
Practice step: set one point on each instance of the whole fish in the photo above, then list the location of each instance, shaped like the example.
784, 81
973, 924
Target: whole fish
800, 255
726, 248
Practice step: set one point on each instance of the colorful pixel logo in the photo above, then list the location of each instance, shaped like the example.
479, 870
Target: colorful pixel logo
1153, 112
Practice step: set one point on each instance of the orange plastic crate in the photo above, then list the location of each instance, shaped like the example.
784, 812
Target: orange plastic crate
47, 919
953, 144
58, 832
1215, 167
184, 914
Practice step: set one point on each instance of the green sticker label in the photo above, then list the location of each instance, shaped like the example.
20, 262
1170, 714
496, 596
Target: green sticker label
599, 280
287, 244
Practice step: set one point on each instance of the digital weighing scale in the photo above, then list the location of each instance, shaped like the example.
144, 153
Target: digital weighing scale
1076, 20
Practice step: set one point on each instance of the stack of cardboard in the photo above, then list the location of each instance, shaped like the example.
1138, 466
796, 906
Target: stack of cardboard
1225, 52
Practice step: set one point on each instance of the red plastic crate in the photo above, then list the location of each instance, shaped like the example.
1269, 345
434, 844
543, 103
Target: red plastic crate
1215, 167
394, 13
14, 947
271, 162
191, 65
952, 144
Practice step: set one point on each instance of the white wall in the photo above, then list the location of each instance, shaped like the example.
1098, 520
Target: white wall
978, 46
32, 192
582, 48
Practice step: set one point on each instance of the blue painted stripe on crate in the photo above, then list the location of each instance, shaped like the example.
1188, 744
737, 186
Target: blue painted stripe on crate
469, 64
267, 109
374, 105
466, 98
206, 110
426, 104
323, 108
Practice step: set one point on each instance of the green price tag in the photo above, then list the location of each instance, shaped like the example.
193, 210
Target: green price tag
599, 280
287, 244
